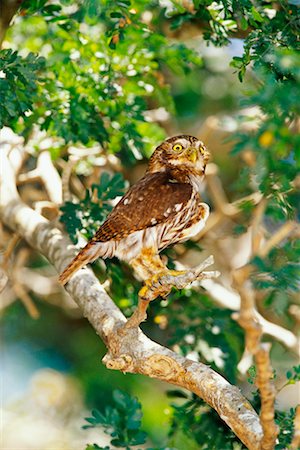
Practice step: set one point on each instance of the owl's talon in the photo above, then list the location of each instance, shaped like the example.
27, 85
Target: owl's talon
161, 285
143, 291
176, 273
158, 280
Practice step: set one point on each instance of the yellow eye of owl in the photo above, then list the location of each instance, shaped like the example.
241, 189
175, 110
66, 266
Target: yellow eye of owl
177, 147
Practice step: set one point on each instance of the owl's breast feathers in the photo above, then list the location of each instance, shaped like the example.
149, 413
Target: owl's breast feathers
152, 200
156, 212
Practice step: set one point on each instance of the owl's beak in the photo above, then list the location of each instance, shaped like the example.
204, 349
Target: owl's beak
192, 154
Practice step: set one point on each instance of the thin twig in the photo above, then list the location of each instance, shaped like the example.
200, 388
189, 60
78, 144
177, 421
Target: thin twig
29, 177
257, 234
22, 294
260, 351
253, 334
9, 250
278, 237
20, 291
70, 183
217, 192
3, 279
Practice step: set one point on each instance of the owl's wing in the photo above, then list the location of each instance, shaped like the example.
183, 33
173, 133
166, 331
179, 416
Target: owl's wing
152, 200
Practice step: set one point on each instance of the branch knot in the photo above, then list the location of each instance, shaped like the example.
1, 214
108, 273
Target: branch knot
123, 362
161, 366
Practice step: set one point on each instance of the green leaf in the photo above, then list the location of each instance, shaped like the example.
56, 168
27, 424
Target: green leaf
18, 85
96, 447
139, 438
244, 23
109, 186
122, 421
121, 398
252, 374
176, 393
71, 218
86, 216
116, 14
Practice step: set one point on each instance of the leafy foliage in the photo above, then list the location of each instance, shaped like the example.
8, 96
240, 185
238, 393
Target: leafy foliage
276, 143
278, 274
122, 421
111, 97
225, 18
285, 421
86, 216
18, 85
203, 330
124, 287
202, 424
293, 375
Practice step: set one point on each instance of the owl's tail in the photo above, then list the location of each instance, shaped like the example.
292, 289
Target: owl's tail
87, 254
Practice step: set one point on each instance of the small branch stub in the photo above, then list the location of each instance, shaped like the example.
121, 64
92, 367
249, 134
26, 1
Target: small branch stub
161, 366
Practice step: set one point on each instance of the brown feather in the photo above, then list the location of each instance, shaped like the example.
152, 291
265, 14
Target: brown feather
84, 257
144, 205
148, 199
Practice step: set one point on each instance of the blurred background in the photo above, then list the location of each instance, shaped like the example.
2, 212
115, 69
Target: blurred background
51, 370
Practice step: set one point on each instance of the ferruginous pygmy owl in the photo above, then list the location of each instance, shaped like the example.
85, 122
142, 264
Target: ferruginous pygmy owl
162, 208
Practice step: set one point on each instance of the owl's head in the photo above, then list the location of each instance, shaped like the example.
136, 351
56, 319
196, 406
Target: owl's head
180, 154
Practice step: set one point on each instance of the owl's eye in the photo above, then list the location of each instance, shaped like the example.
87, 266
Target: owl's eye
177, 147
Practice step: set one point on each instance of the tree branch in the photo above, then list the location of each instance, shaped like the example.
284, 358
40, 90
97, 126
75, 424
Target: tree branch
277, 237
253, 333
20, 290
228, 298
130, 350
261, 353
47, 174
267, 394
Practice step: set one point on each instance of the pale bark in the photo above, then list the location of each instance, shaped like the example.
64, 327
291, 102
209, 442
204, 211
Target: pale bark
129, 350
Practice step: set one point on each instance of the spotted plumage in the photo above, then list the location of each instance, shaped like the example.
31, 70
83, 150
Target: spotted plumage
162, 208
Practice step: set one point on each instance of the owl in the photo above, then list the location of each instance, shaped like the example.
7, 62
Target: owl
162, 208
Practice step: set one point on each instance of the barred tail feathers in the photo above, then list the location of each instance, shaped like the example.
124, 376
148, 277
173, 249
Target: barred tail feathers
87, 254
